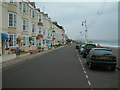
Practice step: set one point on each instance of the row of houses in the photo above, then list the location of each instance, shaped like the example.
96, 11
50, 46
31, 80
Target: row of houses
25, 27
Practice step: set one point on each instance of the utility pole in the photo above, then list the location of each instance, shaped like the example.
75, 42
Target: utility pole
86, 31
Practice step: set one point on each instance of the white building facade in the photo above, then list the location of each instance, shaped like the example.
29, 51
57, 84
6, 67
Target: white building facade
27, 28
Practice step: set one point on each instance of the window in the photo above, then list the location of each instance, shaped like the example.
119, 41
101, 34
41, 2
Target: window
89, 46
24, 8
12, 19
43, 41
48, 32
12, 2
12, 40
39, 43
43, 32
33, 13
102, 52
39, 18
34, 41
25, 40
20, 6
33, 27
40, 32
25, 24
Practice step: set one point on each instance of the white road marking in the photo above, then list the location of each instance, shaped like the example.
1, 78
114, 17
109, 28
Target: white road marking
85, 72
89, 83
83, 69
86, 76
82, 66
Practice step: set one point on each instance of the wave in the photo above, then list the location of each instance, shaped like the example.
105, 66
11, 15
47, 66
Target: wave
108, 43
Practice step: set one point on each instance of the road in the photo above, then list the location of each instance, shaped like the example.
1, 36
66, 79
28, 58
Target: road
61, 68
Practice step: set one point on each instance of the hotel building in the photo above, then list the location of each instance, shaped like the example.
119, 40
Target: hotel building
25, 27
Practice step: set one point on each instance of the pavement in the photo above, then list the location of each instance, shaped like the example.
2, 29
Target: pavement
60, 68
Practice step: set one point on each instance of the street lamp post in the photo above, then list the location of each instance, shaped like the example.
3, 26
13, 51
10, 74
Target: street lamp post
81, 36
86, 31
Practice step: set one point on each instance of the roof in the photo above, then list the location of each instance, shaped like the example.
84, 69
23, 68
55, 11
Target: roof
90, 43
101, 49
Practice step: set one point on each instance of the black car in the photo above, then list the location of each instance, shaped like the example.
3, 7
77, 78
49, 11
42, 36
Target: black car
77, 46
87, 48
101, 57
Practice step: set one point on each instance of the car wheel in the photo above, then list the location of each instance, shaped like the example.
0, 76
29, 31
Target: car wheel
90, 66
87, 63
112, 68
83, 55
80, 53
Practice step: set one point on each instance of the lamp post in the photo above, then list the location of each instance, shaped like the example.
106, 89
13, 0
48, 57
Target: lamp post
86, 31
81, 35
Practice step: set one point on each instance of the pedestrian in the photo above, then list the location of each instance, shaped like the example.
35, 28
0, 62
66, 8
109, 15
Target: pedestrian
17, 50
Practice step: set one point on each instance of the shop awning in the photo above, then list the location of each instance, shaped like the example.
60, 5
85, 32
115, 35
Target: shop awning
48, 37
39, 36
53, 31
20, 37
53, 38
4, 36
30, 39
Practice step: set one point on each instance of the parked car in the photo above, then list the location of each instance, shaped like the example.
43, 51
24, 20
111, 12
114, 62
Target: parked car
87, 48
101, 57
77, 45
81, 48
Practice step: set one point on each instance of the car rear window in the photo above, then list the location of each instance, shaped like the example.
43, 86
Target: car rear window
103, 52
83, 45
89, 46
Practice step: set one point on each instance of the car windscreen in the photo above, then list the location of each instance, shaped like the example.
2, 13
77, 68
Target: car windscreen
103, 52
89, 46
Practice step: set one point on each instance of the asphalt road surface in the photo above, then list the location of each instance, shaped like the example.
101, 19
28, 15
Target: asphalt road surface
61, 68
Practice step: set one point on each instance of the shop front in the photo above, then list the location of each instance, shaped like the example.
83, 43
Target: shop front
4, 38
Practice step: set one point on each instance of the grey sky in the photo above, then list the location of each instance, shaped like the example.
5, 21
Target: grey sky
71, 14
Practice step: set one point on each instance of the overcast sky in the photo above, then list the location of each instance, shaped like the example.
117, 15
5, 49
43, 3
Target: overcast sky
101, 17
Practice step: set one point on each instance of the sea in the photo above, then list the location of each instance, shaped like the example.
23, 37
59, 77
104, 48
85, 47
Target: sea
107, 43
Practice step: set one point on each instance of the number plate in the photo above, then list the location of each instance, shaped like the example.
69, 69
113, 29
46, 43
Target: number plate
104, 58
